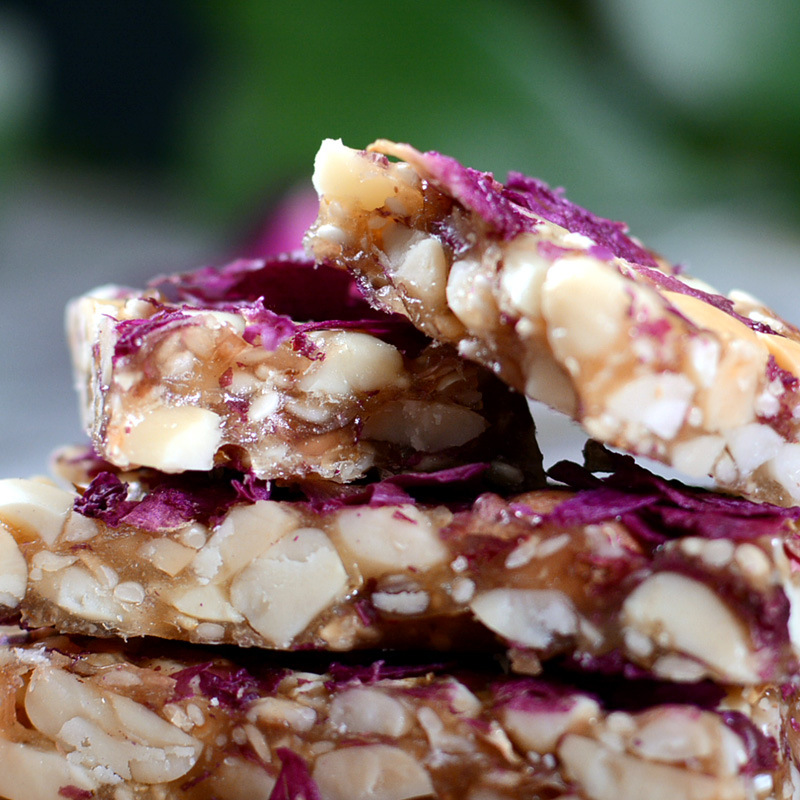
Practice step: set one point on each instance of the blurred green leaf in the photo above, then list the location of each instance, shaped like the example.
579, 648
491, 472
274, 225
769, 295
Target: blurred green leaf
498, 85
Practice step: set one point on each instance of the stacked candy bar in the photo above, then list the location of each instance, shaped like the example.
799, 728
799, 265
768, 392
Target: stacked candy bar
85, 720
335, 510
609, 572
568, 309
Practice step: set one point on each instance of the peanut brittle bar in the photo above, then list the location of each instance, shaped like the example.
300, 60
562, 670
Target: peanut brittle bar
85, 719
282, 369
620, 573
570, 310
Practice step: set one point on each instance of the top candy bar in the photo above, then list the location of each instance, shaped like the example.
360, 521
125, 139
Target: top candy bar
566, 307
282, 369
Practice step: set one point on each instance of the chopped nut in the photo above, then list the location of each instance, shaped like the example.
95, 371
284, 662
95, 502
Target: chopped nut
578, 326
282, 590
129, 592
172, 440
206, 603
284, 713
13, 572
371, 772
607, 775
389, 538
667, 606
540, 730
114, 731
531, 617
32, 505
410, 603
366, 710
353, 363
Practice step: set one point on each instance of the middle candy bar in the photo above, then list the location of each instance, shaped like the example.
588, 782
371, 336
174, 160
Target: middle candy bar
625, 573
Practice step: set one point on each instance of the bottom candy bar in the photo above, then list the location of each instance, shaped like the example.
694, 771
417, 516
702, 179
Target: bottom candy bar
83, 719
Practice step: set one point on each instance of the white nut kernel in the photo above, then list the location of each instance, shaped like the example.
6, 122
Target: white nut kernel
523, 275
237, 777
674, 734
76, 591
194, 536
696, 456
585, 304
264, 405
342, 173
752, 561
679, 669
354, 363
47, 561
311, 409
535, 547
530, 617
247, 532
785, 469
282, 591
207, 603
462, 590
283, 713
407, 603
34, 506
129, 592
167, 555
470, 295
637, 644
704, 355
371, 772
422, 272
108, 730
687, 616
388, 538
172, 440
79, 528
658, 402
731, 400
539, 730
210, 632
365, 710
40, 773
718, 552
177, 716
13, 572
548, 381
603, 774
443, 741
332, 233
752, 445
425, 426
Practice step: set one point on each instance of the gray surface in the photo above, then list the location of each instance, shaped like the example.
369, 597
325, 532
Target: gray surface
60, 236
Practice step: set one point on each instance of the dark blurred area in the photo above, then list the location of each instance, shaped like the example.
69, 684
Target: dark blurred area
117, 75
138, 137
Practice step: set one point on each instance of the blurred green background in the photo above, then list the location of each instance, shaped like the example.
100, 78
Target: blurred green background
139, 136
631, 104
